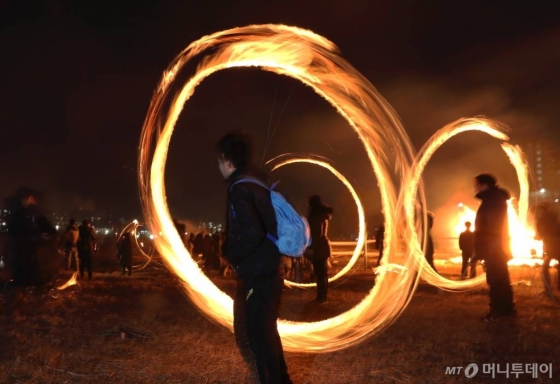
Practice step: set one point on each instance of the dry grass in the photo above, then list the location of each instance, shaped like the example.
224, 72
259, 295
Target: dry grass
72, 336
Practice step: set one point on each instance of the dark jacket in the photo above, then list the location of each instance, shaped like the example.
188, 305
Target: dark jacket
318, 219
86, 240
250, 217
125, 249
466, 242
491, 225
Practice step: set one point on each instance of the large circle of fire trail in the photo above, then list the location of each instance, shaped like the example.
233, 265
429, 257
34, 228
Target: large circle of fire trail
313, 60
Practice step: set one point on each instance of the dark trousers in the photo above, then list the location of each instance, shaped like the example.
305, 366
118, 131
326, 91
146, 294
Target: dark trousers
85, 262
320, 270
255, 312
501, 294
465, 266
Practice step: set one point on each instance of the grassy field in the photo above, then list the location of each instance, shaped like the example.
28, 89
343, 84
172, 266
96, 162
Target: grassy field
80, 335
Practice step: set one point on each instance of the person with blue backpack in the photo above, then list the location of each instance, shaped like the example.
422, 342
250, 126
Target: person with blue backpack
250, 246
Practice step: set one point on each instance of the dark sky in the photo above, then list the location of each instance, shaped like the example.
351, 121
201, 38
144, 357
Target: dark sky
77, 78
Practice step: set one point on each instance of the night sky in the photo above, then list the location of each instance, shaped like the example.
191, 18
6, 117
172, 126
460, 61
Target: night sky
77, 78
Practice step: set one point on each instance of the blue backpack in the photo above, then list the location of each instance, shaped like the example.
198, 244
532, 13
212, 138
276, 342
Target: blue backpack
294, 235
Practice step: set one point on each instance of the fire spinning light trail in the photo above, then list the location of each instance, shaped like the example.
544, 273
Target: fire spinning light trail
133, 228
293, 158
520, 236
314, 61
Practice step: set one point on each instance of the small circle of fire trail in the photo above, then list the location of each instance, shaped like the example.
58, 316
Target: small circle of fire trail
286, 159
314, 61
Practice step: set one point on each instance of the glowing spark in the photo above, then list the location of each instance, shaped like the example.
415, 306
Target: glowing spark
314, 61
73, 280
291, 159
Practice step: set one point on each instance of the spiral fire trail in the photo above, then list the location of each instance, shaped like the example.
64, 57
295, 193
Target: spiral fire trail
286, 159
314, 61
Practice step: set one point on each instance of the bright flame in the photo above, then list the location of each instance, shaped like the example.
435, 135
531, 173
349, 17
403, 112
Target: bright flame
465, 215
73, 280
291, 159
522, 237
314, 61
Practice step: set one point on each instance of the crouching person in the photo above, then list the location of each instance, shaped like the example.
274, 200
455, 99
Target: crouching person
251, 221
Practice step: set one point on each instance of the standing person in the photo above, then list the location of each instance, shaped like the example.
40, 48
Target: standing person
379, 240
430, 243
70, 243
190, 243
318, 218
466, 245
125, 253
32, 240
251, 220
86, 247
548, 230
207, 252
492, 244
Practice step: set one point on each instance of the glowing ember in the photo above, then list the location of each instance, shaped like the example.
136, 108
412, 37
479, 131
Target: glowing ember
314, 61
73, 280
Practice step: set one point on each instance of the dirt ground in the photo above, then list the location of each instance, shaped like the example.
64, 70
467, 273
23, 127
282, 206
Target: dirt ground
83, 334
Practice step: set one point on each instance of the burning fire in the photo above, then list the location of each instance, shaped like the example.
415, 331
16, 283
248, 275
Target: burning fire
522, 237
73, 280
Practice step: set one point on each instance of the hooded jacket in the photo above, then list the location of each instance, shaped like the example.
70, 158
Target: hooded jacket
491, 225
250, 217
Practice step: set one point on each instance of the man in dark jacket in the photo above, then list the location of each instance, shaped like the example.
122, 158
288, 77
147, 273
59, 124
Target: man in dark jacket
492, 245
466, 245
255, 260
86, 247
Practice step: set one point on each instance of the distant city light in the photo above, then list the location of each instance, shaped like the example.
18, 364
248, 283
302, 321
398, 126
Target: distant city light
106, 231
542, 190
56, 227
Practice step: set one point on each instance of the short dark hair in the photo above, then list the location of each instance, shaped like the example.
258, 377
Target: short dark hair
235, 147
487, 178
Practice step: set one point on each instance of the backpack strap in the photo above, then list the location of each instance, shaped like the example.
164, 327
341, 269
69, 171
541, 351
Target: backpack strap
253, 180
250, 180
